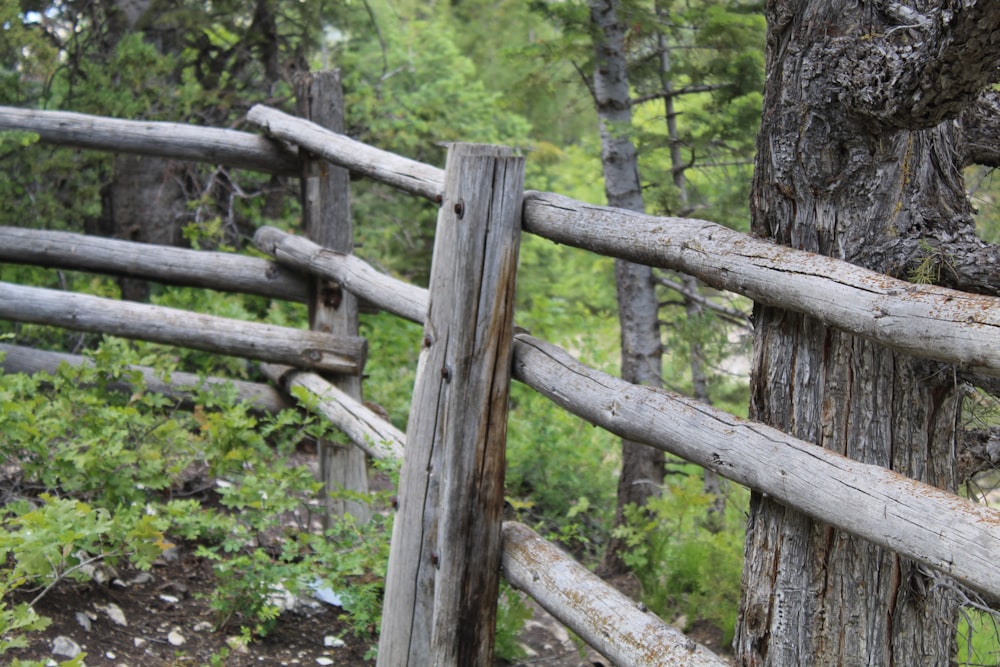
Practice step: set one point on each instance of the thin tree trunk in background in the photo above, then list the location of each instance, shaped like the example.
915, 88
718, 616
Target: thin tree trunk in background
326, 210
642, 466
699, 380
146, 203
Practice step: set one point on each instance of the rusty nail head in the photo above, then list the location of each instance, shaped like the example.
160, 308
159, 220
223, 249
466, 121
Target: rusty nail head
427, 341
446, 373
435, 559
460, 208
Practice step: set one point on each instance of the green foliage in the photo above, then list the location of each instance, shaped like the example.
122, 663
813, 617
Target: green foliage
978, 638
16, 620
684, 567
560, 472
512, 613
111, 460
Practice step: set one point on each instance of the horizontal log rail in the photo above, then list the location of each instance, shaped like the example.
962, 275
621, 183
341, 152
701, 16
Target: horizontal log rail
223, 271
170, 326
403, 173
921, 320
182, 386
353, 274
932, 526
365, 428
180, 141
609, 621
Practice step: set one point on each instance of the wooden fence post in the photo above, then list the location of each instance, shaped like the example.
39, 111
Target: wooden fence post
326, 211
443, 577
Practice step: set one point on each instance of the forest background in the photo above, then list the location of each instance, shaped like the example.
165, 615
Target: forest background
102, 476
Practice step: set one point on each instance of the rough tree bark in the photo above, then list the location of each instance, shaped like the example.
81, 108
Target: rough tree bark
859, 157
642, 466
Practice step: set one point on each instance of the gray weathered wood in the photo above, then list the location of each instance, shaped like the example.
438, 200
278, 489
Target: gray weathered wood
222, 271
170, 140
954, 535
182, 386
606, 619
443, 577
170, 326
408, 175
923, 320
353, 274
326, 216
366, 429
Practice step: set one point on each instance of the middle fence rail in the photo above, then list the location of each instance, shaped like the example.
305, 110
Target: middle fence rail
931, 526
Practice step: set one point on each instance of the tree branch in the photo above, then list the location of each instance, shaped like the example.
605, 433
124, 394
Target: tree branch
686, 90
912, 70
735, 316
981, 131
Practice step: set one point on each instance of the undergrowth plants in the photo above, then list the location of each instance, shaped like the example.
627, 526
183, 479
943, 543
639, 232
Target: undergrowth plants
688, 561
97, 475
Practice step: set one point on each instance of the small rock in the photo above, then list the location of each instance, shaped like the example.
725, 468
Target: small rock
83, 620
174, 588
175, 638
204, 626
139, 642
65, 646
333, 642
170, 554
110, 655
324, 661
170, 599
114, 612
236, 643
141, 578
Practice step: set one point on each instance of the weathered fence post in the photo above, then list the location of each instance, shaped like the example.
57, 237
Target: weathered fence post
326, 211
443, 578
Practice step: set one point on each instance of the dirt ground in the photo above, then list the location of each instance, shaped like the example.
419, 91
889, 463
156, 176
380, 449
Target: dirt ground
162, 619
167, 622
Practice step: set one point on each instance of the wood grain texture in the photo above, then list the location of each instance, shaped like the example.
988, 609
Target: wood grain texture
179, 141
170, 326
930, 525
609, 621
408, 175
443, 578
227, 272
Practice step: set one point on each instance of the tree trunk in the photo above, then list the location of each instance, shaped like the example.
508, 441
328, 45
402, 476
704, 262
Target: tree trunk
147, 204
857, 159
642, 466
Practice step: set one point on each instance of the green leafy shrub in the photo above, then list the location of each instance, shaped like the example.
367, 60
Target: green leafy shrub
684, 567
98, 469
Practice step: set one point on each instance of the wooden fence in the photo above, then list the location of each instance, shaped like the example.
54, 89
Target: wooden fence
449, 542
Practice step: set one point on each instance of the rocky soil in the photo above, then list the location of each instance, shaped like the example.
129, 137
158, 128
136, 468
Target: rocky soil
161, 618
